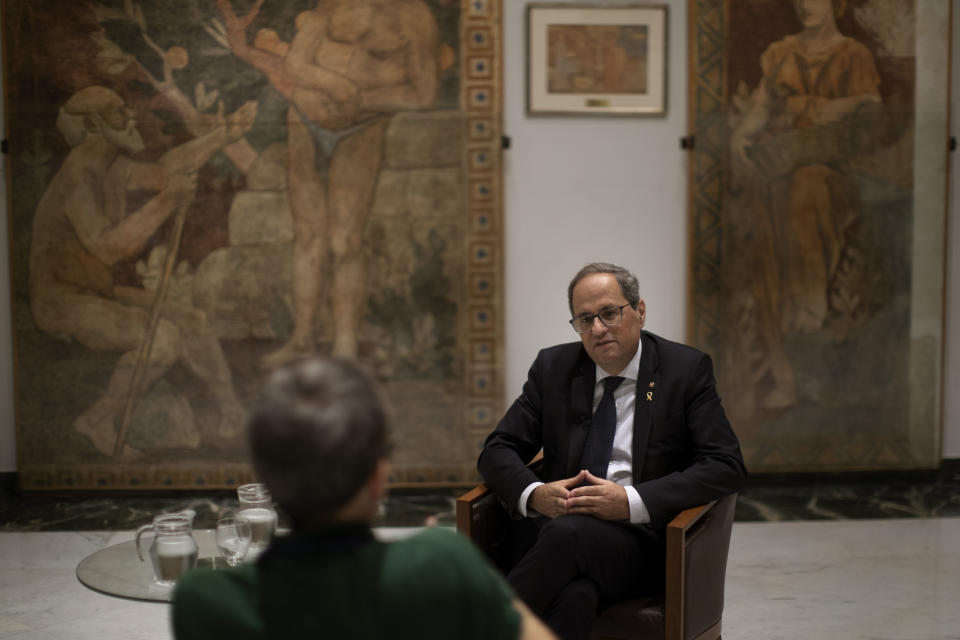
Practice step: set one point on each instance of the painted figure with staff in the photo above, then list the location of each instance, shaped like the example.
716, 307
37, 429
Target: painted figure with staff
82, 231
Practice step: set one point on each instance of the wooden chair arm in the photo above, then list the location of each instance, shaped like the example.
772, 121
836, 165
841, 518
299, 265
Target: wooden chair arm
465, 506
479, 514
688, 517
698, 568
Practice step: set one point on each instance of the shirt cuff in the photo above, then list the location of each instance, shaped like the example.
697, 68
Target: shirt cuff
522, 507
638, 510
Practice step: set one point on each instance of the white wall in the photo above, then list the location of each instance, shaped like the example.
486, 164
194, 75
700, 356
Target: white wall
583, 189
577, 190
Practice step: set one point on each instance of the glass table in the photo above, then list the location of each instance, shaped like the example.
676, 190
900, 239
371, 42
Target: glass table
118, 571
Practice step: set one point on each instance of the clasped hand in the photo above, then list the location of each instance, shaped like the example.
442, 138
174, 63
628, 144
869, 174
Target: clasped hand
598, 497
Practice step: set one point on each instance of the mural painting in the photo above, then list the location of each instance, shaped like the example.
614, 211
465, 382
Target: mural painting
203, 190
597, 58
806, 224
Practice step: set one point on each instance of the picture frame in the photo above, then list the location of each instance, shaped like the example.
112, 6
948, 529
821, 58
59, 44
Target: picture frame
818, 214
606, 60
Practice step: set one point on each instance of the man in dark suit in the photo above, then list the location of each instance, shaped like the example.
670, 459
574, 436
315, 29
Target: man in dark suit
632, 432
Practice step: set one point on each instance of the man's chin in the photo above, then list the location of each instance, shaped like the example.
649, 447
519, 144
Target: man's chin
606, 352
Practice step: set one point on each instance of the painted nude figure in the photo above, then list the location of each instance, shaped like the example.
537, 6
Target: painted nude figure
82, 232
350, 66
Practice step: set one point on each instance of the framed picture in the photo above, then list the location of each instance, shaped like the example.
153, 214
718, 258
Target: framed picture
598, 60
818, 189
186, 217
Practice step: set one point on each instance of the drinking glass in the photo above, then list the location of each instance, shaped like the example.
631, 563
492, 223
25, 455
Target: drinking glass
233, 538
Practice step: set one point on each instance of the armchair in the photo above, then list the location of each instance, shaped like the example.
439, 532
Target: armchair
698, 540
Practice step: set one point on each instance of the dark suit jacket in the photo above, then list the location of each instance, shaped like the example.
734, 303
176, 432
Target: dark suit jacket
684, 451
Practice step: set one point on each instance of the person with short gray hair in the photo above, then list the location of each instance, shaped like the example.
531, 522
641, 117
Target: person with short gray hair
316, 435
627, 282
632, 432
320, 439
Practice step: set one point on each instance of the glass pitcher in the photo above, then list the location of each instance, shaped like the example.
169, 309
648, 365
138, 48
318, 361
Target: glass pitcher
256, 507
173, 550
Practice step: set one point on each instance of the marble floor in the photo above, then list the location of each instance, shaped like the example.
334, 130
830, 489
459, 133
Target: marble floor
872, 557
891, 579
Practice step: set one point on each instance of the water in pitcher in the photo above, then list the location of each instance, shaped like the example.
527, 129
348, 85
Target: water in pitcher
171, 559
173, 550
256, 507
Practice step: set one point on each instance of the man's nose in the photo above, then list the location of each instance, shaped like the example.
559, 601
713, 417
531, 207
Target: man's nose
598, 327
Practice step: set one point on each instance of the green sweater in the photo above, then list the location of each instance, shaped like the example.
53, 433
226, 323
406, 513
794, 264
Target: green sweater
345, 584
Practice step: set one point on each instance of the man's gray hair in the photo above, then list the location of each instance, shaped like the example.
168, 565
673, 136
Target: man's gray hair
629, 286
316, 435
87, 102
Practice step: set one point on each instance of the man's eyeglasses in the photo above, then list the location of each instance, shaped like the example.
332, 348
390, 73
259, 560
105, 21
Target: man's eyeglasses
611, 316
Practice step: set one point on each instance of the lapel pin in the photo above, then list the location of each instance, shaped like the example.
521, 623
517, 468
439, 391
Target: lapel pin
652, 384
649, 396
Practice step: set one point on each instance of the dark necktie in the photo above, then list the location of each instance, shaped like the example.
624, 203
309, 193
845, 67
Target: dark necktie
596, 450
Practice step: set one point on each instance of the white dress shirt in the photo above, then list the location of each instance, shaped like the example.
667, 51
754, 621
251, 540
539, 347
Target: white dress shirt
620, 469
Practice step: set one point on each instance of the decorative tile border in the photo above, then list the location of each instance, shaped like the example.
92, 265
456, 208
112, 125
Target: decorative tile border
708, 168
44, 477
482, 100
